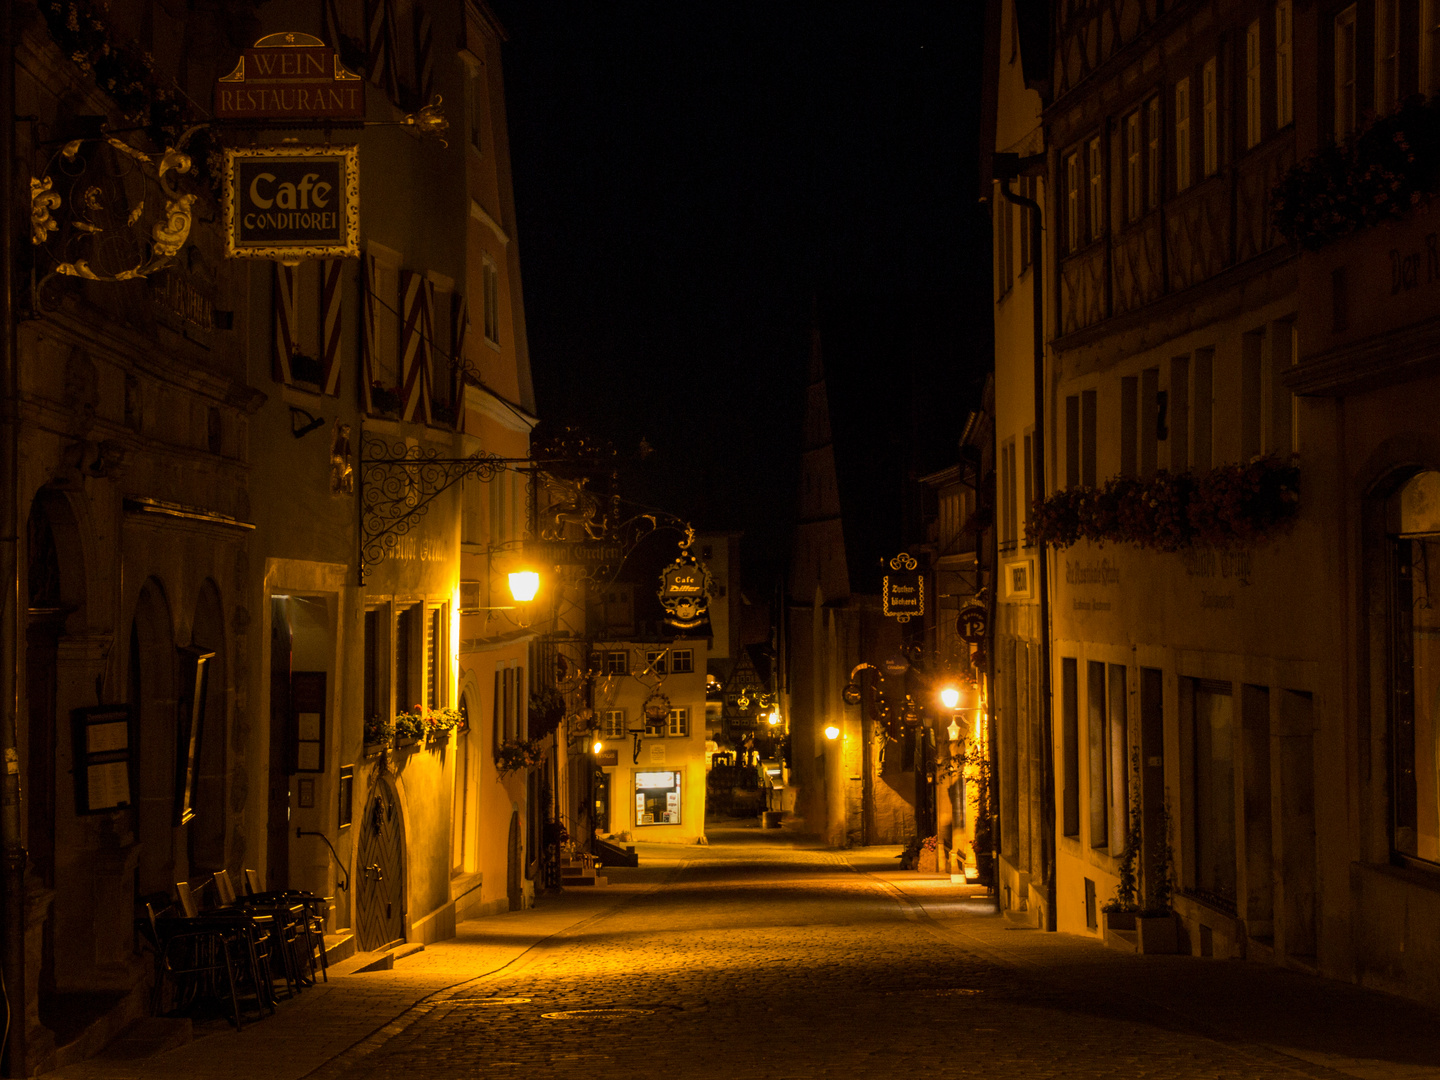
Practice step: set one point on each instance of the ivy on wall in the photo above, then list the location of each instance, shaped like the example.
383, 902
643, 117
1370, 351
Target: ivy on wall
1227, 506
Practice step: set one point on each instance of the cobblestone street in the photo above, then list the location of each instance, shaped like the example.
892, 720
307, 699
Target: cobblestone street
759, 957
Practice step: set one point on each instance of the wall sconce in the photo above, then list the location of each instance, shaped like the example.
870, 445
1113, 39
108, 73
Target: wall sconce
832, 732
524, 584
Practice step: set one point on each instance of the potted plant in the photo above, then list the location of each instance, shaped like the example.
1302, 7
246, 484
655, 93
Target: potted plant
409, 727
928, 859
1156, 926
378, 735
1120, 912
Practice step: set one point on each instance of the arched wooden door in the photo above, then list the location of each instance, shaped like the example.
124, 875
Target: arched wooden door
380, 870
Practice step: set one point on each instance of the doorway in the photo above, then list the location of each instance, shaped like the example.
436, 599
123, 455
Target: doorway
380, 870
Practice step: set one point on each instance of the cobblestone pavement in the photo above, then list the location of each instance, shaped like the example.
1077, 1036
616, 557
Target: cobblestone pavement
758, 957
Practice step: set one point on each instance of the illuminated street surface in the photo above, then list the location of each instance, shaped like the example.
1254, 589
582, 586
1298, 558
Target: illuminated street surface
760, 957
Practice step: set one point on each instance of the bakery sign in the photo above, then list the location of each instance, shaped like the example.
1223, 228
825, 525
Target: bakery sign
290, 76
290, 203
902, 591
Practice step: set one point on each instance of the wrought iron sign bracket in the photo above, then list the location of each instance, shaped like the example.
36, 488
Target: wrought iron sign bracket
399, 482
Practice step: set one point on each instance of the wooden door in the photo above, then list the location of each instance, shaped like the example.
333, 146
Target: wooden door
380, 871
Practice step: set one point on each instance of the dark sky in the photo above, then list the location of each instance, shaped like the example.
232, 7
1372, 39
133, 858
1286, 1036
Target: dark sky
694, 179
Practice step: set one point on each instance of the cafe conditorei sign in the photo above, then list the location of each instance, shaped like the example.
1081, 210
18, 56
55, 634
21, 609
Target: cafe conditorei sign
903, 589
290, 203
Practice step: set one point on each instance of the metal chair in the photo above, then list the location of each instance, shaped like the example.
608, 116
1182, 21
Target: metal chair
190, 954
316, 910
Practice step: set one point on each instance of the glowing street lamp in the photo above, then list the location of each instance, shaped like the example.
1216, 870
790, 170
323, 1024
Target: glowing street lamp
832, 732
524, 584
599, 746
950, 697
774, 718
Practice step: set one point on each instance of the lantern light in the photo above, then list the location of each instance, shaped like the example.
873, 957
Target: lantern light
524, 584
599, 746
950, 697
953, 731
832, 732
774, 717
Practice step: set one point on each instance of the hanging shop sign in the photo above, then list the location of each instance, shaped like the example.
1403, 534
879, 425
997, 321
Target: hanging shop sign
290, 203
685, 591
972, 622
290, 77
903, 589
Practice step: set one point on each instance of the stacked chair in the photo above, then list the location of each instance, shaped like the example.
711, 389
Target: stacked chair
233, 951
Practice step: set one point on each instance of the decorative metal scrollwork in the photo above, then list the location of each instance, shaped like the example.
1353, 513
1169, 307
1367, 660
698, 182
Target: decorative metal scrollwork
126, 217
398, 483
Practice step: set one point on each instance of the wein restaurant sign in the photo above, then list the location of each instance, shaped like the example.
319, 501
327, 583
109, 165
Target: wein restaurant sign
290, 77
292, 202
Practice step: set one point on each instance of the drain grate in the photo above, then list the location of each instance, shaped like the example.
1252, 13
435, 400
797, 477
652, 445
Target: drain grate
495, 1001
576, 1014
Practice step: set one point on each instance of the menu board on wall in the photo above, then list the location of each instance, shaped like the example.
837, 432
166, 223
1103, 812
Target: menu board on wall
102, 758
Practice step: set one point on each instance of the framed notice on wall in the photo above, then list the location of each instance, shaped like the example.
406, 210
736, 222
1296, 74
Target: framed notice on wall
102, 759
307, 721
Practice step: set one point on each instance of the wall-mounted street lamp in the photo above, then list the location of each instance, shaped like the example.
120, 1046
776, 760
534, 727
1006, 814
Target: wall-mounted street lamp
774, 718
950, 697
832, 732
524, 584
598, 747
953, 730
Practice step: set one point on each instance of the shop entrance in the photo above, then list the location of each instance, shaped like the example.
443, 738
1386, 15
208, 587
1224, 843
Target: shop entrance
380, 871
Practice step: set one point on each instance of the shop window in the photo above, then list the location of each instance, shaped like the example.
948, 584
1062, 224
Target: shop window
682, 661
657, 798
1415, 707
678, 723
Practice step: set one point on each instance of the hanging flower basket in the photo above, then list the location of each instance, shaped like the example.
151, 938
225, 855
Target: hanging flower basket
1225, 507
516, 754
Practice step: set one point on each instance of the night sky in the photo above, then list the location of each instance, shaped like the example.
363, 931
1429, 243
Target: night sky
695, 182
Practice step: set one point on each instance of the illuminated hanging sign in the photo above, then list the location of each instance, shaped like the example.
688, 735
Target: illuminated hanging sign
902, 592
290, 77
685, 591
292, 202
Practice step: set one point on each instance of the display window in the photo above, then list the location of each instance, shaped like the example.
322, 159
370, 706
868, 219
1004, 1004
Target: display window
657, 798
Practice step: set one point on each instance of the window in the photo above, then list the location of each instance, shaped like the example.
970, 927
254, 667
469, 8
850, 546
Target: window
1182, 134
1129, 416
682, 661
1072, 441
612, 724
678, 723
1095, 207
406, 631
617, 663
1179, 413
1089, 404
1280, 438
1152, 153
1029, 489
1252, 348
1098, 745
1070, 745
1209, 118
1073, 233
1415, 721
657, 798
1252, 84
1387, 55
1151, 400
1284, 65
657, 661
1202, 409
1007, 494
490, 293
1429, 46
475, 103
1345, 74
1134, 168
511, 705
655, 725
1212, 781
1118, 742
435, 666
1004, 242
